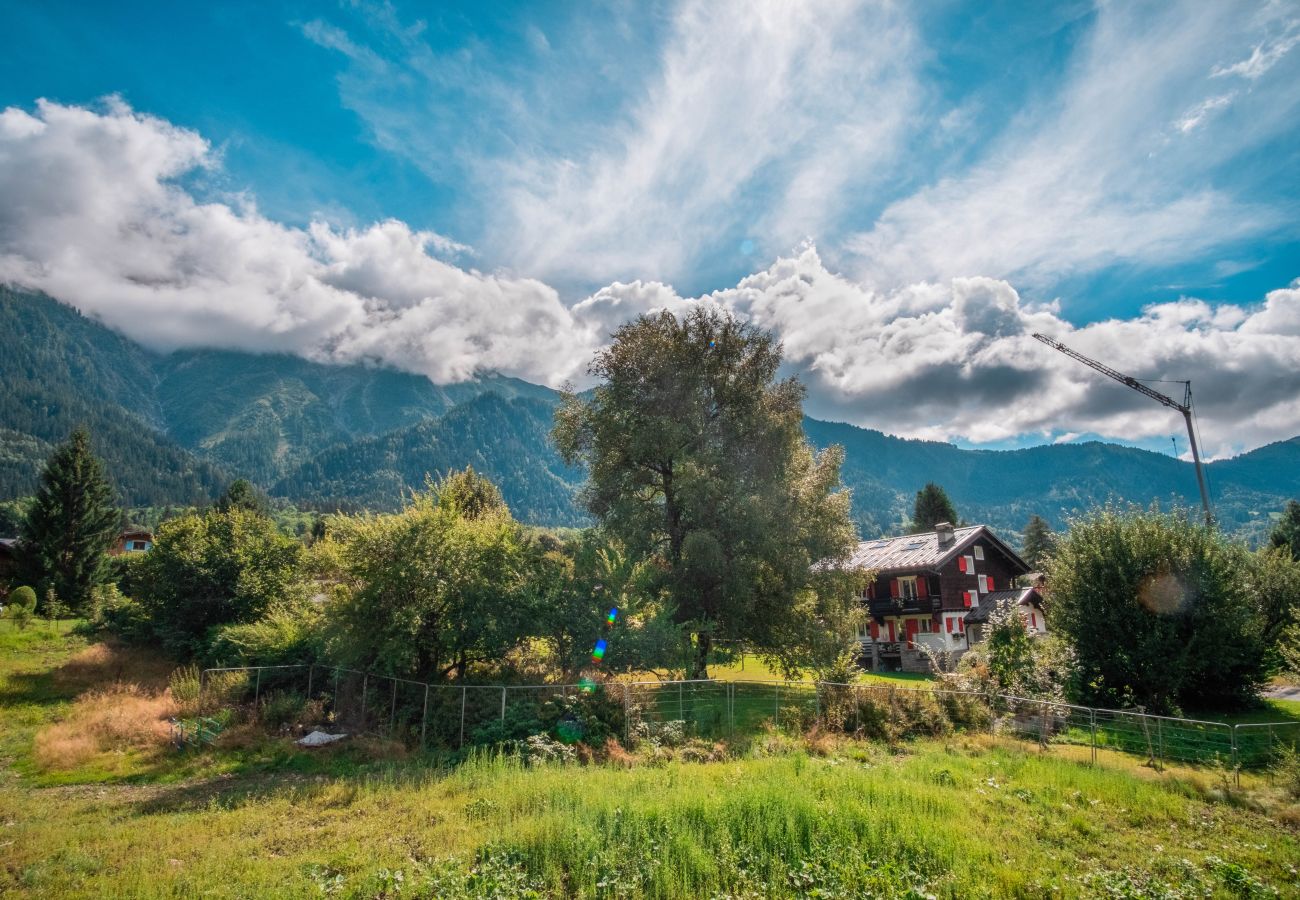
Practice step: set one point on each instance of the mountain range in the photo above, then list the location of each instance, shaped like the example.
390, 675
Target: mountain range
174, 428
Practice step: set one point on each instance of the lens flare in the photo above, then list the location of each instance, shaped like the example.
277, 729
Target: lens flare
612, 615
586, 685
569, 730
599, 652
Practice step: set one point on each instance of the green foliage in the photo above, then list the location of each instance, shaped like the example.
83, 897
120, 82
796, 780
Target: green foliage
469, 494
1273, 576
184, 684
112, 611
241, 494
213, 569
21, 607
931, 507
280, 708
71, 523
1039, 541
12, 515
1009, 651
287, 634
427, 591
1159, 611
696, 460
1286, 533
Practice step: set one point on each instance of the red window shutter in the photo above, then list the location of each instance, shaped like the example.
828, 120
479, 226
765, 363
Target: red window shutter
1033, 620
948, 624
912, 627
922, 588
875, 630
893, 587
892, 636
965, 597
988, 579
961, 564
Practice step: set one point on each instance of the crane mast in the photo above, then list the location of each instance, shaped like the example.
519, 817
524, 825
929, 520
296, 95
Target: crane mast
1129, 381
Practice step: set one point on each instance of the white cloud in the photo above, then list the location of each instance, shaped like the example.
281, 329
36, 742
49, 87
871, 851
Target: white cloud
98, 214
1091, 176
95, 215
957, 358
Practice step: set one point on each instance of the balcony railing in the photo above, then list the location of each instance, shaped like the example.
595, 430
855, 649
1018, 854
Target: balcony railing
896, 606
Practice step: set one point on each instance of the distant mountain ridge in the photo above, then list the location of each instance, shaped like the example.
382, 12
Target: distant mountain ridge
173, 428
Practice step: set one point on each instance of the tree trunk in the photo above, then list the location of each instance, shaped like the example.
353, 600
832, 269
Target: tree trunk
700, 664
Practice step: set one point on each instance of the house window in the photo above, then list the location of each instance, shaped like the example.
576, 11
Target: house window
984, 584
979, 551
907, 587
925, 626
970, 565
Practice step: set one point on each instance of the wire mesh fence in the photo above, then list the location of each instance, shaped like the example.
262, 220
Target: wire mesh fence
455, 716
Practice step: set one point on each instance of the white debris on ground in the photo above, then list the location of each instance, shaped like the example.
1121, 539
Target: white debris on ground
319, 739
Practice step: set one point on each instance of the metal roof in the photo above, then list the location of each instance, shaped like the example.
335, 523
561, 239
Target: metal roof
914, 551
999, 599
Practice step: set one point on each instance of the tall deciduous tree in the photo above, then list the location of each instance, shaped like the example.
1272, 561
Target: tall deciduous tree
697, 461
243, 494
932, 506
71, 523
1159, 611
1039, 541
1287, 531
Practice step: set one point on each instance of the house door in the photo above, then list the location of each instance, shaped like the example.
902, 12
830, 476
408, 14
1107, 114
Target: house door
912, 627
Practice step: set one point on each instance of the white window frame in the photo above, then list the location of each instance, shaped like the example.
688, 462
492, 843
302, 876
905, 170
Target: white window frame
979, 551
907, 583
970, 565
983, 583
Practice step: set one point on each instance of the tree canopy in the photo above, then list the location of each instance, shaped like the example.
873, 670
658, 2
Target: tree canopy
71, 523
243, 494
932, 506
1286, 533
1039, 541
1159, 611
697, 462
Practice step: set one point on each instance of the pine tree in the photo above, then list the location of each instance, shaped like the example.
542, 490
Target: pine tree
71, 523
1287, 531
932, 507
1039, 541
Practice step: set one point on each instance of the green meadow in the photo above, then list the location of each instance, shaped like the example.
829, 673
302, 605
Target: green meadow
775, 815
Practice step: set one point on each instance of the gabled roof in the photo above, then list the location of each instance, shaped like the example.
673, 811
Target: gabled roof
922, 551
1002, 599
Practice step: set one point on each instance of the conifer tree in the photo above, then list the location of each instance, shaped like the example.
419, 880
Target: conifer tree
932, 506
72, 521
1287, 531
1039, 541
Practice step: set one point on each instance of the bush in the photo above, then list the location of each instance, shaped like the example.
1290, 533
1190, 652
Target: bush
1158, 610
120, 615
282, 637
280, 708
184, 684
896, 715
589, 717
22, 606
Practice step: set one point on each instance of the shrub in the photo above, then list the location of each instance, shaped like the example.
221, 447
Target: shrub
120, 615
284, 636
280, 708
184, 684
23, 596
895, 715
590, 717
541, 748
1158, 608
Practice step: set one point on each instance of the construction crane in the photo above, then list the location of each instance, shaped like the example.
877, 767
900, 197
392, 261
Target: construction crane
1185, 408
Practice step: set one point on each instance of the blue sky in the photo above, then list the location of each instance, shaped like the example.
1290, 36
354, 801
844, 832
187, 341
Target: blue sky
1106, 167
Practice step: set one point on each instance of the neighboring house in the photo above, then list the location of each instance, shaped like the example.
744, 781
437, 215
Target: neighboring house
133, 540
927, 586
1026, 599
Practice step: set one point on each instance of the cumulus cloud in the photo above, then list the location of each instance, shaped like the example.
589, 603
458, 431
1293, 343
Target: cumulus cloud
957, 358
97, 214
105, 211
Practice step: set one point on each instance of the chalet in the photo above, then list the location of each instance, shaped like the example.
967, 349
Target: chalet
928, 587
132, 540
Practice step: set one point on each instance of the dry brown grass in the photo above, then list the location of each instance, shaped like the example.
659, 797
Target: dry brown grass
112, 662
111, 720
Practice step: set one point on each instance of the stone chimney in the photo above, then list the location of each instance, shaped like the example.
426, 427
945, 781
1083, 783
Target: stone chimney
944, 532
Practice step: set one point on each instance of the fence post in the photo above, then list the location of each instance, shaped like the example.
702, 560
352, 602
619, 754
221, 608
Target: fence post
1160, 742
334, 700
731, 708
681, 705
1092, 728
817, 699
311, 671
202, 681
627, 717
257, 690
503, 703
464, 695
424, 721
1236, 758
776, 717
392, 712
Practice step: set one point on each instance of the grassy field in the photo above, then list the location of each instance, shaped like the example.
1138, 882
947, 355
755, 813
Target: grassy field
812, 816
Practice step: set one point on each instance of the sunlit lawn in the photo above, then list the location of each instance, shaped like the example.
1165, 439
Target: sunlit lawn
961, 816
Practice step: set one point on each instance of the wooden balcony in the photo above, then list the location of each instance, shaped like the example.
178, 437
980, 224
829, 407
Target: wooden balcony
897, 606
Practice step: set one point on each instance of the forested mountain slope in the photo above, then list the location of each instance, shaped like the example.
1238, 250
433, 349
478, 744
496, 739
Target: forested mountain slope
174, 428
